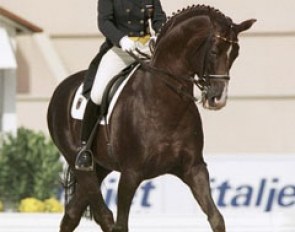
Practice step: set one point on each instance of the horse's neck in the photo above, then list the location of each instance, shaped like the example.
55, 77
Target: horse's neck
181, 50
161, 88
171, 60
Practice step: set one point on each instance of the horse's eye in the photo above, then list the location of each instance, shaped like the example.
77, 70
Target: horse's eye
214, 52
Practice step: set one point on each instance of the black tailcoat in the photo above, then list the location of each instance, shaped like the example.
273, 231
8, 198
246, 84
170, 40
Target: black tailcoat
118, 18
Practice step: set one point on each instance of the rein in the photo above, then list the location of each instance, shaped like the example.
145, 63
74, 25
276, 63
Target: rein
179, 89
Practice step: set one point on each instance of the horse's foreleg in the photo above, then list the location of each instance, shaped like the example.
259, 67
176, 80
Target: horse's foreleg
129, 181
198, 181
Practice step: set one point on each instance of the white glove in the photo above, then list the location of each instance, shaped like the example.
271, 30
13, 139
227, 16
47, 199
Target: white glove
127, 45
152, 44
154, 38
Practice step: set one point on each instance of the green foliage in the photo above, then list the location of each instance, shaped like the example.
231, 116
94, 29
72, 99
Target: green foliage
29, 166
1, 206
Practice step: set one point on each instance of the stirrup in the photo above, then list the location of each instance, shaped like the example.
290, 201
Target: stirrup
84, 160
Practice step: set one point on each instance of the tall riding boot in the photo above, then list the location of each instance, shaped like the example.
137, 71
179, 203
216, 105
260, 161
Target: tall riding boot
84, 159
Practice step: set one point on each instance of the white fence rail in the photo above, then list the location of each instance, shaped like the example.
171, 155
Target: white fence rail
26, 222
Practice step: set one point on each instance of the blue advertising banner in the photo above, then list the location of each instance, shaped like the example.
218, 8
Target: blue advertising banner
254, 183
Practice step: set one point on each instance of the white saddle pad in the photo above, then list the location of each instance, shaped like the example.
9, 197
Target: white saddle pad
79, 102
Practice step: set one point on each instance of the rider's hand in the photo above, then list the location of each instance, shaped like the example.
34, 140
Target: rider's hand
127, 44
152, 44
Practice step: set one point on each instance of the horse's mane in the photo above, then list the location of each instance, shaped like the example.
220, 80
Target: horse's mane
194, 10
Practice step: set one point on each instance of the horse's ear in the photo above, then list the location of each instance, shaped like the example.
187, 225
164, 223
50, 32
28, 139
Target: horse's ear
244, 25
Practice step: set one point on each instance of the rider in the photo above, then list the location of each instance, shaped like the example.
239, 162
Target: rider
126, 26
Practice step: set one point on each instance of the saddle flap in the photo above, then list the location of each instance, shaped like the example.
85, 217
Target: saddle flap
79, 102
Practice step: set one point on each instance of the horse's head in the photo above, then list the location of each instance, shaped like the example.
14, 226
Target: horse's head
205, 43
223, 49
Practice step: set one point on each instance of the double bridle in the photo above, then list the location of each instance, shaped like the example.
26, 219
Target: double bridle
226, 39
202, 82
205, 78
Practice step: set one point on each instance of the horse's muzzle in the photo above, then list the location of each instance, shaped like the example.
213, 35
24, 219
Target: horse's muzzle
215, 100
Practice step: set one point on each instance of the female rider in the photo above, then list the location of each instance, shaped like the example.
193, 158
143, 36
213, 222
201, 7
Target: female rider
125, 24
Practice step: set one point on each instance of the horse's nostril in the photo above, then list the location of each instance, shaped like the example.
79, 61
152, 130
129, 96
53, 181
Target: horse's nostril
217, 98
212, 100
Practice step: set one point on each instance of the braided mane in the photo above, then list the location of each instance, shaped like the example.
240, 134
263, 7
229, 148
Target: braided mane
194, 10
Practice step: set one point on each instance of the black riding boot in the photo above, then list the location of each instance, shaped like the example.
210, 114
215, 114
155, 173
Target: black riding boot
84, 159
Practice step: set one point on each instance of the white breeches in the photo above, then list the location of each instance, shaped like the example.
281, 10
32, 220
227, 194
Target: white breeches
111, 64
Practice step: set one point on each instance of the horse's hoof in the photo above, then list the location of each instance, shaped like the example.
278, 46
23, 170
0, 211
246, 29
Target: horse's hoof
118, 229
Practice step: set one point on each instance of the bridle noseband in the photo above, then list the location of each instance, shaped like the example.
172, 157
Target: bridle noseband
204, 81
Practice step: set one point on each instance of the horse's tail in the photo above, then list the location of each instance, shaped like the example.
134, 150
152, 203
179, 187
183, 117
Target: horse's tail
69, 184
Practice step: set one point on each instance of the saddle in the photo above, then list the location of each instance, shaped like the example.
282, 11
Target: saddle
110, 95
114, 85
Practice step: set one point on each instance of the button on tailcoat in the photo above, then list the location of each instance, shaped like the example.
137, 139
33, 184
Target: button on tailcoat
118, 18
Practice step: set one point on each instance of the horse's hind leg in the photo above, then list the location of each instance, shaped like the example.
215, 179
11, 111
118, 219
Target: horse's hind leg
101, 213
73, 213
87, 192
197, 178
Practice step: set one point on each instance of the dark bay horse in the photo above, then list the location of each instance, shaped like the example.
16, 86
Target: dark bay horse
155, 127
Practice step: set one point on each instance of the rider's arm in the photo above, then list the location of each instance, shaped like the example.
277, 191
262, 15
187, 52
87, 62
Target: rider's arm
106, 21
159, 16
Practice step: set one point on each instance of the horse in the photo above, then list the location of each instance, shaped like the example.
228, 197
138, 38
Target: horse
155, 127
